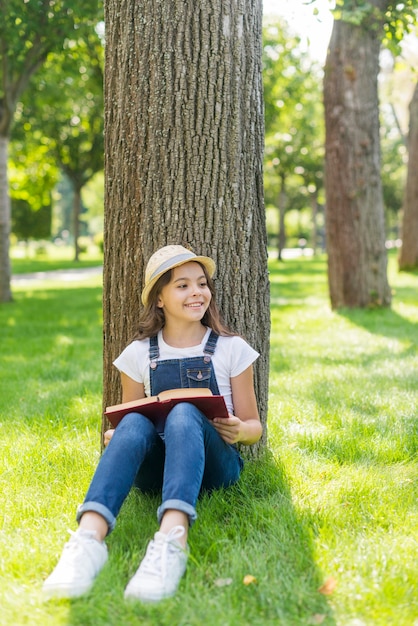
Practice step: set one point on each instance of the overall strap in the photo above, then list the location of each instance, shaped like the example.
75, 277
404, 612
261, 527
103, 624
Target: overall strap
209, 349
154, 351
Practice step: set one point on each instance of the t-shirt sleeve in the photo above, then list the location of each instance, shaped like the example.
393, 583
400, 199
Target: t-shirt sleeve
242, 356
133, 360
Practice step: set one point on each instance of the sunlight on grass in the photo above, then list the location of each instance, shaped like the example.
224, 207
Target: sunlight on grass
333, 499
51, 257
343, 400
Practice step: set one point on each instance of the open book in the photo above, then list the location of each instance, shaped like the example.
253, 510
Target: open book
157, 407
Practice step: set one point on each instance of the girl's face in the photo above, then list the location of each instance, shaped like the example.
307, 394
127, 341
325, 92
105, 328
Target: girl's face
187, 296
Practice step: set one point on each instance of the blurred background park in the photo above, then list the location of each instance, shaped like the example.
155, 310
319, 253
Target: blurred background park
55, 163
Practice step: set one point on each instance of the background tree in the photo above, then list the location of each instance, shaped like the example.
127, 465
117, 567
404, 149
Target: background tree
29, 224
408, 258
32, 178
184, 143
29, 31
357, 258
293, 121
64, 105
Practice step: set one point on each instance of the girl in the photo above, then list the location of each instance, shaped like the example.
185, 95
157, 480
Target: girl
182, 342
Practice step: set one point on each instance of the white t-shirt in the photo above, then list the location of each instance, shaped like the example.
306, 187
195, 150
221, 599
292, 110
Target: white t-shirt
232, 357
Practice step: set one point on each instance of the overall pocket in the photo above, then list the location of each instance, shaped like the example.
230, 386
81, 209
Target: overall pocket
199, 377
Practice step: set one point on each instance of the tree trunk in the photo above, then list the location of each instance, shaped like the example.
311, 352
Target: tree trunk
408, 258
314, 205
184, 143
76, 220
355, 229
5, 271
282, 225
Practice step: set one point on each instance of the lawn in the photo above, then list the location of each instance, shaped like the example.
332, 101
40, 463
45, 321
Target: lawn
48, 257
326, 523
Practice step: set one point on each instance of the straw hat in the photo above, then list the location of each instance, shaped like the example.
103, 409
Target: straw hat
166, 259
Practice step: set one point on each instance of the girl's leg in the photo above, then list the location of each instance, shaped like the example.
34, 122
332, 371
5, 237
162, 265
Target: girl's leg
134, 440
191, 443
196, 457
84, 555
173, 518
94, 522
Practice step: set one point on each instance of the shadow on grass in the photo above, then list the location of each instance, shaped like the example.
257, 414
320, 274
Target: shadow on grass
252, 529
384, 322
297, 279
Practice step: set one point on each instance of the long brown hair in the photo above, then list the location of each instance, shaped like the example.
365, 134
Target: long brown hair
152, 318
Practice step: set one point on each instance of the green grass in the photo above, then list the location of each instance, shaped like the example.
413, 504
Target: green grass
334, 498
51, 257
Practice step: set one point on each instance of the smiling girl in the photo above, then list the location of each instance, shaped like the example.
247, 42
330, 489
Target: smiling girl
182, 342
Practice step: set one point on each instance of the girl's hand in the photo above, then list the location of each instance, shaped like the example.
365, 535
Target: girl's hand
108, 436
229, 428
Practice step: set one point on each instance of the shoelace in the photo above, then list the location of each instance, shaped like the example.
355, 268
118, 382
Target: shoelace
159, 550
74, 545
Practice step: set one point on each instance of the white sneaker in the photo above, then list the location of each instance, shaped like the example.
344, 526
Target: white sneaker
161, 570
82, 559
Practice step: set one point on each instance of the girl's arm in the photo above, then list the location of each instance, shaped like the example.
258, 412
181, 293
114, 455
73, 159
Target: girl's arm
131, 390
245, 426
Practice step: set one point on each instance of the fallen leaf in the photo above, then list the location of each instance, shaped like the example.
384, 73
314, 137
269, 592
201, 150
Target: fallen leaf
223, 582
328, 587
318, 618
249, 580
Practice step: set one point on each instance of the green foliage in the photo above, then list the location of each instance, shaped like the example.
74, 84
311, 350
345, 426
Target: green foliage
393, 173
59, 123
29, 31
334, 499
32, 177
397, 18
293, 110
294, 124
27, 224
63, 107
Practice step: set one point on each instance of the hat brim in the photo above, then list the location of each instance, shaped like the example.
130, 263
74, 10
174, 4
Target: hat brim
208, 263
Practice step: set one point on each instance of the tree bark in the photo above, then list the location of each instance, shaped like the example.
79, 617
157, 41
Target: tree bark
355, 228
5, 272
408, 258
183, 152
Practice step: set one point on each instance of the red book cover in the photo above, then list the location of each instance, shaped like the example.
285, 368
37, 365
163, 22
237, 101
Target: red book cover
159, 406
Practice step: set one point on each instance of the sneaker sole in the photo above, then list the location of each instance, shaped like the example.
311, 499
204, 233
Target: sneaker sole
65, 592
147, 597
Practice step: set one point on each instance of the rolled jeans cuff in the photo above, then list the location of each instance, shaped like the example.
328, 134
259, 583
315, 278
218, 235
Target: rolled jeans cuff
96, 507
178, 505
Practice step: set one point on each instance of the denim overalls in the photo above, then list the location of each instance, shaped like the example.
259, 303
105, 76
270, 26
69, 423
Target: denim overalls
182, 455
182, 373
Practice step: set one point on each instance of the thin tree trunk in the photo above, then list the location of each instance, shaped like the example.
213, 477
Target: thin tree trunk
76, 221
5, 271
408, 258
282, 225
184, 143
355, 229
314, 205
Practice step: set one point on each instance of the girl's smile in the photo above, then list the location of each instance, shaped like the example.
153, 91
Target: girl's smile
187, 292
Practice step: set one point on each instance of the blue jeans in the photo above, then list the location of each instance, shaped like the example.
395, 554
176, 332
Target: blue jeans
191, 458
